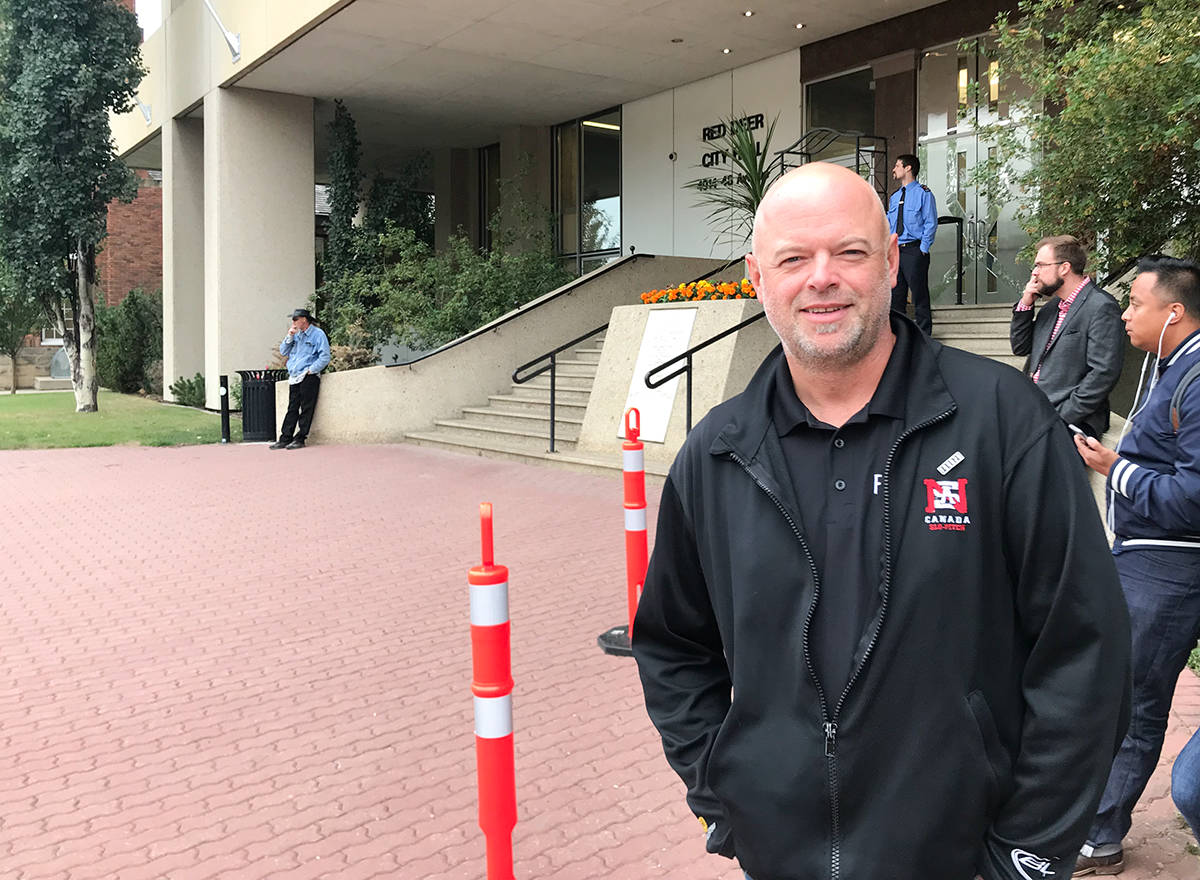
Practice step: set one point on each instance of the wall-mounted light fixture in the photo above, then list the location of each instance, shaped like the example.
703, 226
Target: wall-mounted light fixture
145, 108
232, 40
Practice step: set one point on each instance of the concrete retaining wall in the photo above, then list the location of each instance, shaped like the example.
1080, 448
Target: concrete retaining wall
718, 372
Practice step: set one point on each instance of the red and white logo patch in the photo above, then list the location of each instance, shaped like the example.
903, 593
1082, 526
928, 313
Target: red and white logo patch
946, 505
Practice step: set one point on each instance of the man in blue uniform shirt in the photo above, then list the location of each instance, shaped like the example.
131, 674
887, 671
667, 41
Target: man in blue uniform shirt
912, 216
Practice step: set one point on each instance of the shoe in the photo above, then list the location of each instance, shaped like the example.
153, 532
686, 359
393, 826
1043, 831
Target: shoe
1098, 865
296, 444
280, 444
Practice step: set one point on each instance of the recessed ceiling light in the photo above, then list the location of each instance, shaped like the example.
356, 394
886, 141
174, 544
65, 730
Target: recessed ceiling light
726, 51
676, 39
799, 25
748, 13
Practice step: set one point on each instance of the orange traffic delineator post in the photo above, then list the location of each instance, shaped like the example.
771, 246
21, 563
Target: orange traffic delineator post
492, 684
618, 640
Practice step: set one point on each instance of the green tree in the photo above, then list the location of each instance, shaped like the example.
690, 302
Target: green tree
1108, 142
65, 65
130, 341
345, 179
19, 316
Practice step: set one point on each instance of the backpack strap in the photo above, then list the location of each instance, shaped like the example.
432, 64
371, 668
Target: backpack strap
1177, 398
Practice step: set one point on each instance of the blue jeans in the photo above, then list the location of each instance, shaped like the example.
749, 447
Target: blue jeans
1162, 590
1185, 783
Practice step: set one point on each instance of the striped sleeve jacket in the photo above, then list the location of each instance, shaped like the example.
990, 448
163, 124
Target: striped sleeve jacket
1154, 497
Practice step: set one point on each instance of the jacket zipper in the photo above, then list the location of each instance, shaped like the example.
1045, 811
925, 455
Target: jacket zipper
829, 725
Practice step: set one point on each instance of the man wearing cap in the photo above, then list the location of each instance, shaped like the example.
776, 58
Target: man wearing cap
307, 349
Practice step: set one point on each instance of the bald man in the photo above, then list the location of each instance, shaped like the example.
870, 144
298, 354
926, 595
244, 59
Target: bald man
881, 633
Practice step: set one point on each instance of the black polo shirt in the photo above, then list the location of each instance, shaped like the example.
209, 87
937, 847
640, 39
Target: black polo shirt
837, 478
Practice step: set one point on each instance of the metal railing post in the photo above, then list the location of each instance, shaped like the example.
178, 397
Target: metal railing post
553, 394
688, 378
224, 393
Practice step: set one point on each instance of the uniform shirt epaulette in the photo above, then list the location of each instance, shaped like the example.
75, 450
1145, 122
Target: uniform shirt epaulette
924, 187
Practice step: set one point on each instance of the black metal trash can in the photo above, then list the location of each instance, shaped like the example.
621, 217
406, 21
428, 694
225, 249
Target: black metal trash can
258, 403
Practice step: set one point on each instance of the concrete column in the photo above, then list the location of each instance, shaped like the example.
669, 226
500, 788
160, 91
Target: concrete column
258, 225
896, 104
455, 195
183, 249
525, 155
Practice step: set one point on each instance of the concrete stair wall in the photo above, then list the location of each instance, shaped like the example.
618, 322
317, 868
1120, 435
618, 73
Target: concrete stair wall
516, 424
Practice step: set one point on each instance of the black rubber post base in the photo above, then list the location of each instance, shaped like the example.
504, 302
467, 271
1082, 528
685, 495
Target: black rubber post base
616, 641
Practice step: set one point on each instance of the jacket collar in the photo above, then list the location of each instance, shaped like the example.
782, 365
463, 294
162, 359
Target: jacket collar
1076, 307
926, 393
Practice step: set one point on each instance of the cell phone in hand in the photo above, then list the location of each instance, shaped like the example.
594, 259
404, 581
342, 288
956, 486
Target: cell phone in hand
1077, 430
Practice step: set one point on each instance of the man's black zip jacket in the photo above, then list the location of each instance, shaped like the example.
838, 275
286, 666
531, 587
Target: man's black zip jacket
991, 686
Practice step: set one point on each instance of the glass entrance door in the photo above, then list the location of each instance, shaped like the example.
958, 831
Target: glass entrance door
958, 92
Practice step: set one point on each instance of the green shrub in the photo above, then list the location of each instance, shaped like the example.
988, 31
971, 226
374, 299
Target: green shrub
189, 392
129, 341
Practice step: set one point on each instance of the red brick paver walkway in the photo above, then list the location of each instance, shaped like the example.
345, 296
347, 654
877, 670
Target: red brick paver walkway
235, 663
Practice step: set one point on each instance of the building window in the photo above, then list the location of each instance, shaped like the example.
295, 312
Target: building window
587, 190
844, 103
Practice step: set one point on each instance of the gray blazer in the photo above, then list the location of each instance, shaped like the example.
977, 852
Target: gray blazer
1084, 361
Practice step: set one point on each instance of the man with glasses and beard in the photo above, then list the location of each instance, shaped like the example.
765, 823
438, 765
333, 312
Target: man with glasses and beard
1076, 344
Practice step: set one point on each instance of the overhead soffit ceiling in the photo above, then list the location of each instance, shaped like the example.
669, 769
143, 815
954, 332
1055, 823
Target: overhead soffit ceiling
435, 73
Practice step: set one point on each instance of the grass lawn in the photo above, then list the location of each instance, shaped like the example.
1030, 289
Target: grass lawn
48, 421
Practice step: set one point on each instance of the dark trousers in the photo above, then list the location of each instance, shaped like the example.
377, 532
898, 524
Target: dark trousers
302, 403
1162, 590
913, 275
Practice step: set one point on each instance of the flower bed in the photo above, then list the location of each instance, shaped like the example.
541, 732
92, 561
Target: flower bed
702, 290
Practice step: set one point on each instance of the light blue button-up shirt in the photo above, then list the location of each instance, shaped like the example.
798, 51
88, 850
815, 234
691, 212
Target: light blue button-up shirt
307, 351
920, 215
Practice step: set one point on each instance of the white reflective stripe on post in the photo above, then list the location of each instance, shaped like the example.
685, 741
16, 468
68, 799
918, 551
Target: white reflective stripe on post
489, 604
634, 459
493, 716
635, 519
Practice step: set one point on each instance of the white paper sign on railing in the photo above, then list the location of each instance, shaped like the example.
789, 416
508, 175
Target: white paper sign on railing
668, 333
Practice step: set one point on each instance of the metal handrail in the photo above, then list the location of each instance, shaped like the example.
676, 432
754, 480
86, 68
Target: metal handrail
552, 366
686, 369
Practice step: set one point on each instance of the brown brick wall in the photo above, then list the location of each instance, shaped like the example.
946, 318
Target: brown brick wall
131, 255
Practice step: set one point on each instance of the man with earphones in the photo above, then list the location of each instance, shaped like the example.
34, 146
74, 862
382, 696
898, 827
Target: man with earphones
1076, 344
1153, 482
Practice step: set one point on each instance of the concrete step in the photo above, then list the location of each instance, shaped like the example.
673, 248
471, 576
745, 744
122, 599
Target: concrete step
564, 457
563, 383
988, 347
469, 429
45, 383
962, 328
540, 404
541, 392
576, 368
537, 422
587, 355
986, 313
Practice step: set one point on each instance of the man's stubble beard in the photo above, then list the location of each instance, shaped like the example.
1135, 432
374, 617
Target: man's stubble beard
857, 344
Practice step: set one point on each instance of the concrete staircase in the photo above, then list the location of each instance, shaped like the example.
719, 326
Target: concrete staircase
979, 329
516, 424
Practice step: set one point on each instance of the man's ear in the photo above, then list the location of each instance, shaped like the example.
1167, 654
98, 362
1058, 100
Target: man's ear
893, 258
753, 272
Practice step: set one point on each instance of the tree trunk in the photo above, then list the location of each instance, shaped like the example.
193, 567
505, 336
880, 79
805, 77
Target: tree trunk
12, 389
84, 378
